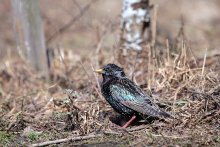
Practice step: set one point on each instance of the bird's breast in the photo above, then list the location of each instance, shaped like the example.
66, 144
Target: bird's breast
115, 104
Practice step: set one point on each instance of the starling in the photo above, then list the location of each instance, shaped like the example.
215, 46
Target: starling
125, 96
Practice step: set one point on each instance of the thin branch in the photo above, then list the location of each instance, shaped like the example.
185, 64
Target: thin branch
204, 61
66, 140
154, 25
77, 5
206, 96
71, 22
136, 128
93, 84
134, 68
96, 78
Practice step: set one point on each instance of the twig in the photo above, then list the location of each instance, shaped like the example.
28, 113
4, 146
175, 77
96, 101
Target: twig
86, 72
172, 137
134, 68
203, 66
97, 81
136, 128
154, 26
66, 140
71, 22
113, 133
93, 84
77, 4
168, 51
96, 78
206, 96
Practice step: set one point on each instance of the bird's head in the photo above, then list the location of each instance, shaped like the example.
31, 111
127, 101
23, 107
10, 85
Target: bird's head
111, 71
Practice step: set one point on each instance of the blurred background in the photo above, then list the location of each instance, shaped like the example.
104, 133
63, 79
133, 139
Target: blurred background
201, 20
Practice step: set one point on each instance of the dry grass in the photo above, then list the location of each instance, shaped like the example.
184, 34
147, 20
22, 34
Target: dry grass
177, 81
71, 106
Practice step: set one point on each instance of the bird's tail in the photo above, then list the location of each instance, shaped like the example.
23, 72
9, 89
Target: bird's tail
165, 114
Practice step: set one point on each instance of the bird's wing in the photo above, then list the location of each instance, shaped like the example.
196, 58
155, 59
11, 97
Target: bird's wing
130, 95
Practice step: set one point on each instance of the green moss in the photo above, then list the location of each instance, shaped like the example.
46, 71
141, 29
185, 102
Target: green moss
5, 138
33, 135
217, 139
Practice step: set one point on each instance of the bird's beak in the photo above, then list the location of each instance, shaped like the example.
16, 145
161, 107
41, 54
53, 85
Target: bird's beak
100, 71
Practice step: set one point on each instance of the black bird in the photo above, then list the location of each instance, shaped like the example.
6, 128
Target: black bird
125, 96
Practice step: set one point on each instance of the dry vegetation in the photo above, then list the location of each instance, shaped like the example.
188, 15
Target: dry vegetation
70, 106
35, 111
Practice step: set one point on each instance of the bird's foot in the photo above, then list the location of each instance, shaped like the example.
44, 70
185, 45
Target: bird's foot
129, 122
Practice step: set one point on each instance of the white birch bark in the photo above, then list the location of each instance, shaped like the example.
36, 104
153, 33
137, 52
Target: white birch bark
135, 19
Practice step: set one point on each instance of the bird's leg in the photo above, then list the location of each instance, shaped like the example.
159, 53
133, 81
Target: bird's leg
129, 122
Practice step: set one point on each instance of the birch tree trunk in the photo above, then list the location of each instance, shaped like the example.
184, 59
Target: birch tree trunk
28, 15
134, 23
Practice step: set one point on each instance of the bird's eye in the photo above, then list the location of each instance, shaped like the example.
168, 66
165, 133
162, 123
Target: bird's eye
107, 69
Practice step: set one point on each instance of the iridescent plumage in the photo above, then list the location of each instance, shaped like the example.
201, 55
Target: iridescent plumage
125, 96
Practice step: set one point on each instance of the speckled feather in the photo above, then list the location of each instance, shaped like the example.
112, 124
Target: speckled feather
127, 98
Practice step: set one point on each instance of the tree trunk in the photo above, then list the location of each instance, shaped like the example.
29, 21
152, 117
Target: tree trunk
28, 14
134, 22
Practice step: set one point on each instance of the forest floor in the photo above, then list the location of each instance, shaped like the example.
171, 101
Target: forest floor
70, 107
69, 110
